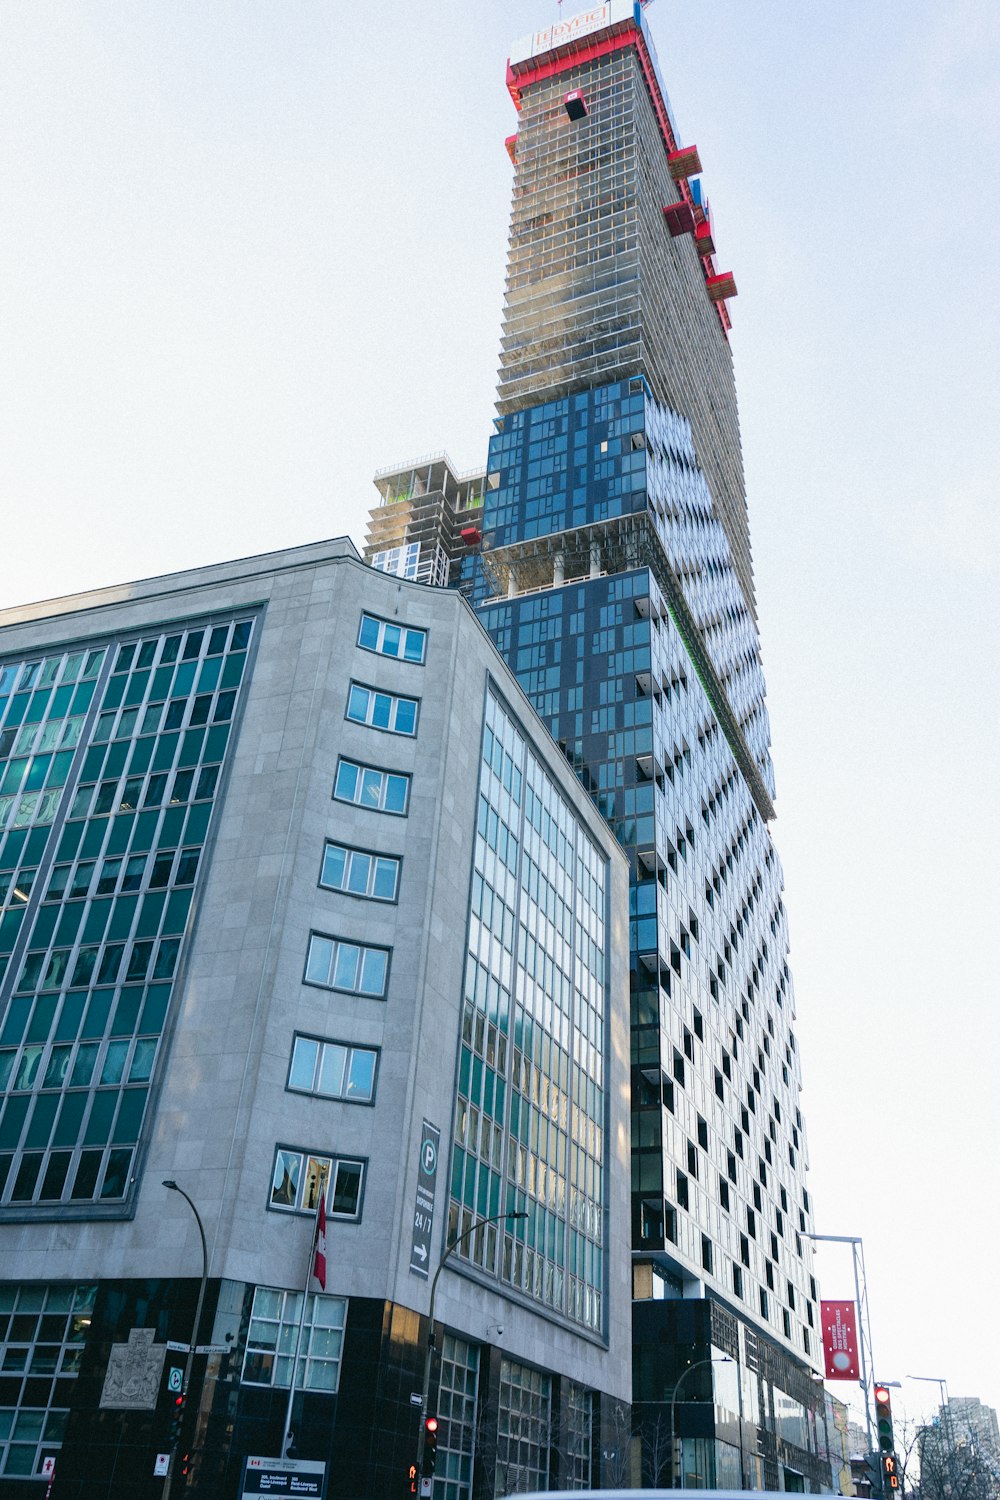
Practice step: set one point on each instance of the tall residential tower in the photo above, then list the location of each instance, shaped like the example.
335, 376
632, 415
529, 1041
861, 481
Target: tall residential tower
611, 564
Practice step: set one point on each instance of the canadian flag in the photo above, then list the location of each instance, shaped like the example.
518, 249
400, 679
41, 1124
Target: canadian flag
319, 1258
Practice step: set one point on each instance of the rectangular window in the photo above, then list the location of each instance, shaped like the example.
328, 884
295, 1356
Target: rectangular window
401, 641
365, 786
334, 1069
296, 1179
579, 1431
355, 968
274, 1332
458, 1391
525, 1426
366, 705
43, 1333
357, 872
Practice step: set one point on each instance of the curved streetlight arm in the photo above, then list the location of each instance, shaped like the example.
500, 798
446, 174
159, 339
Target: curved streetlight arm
175, 1187
942, 1386
451, 1246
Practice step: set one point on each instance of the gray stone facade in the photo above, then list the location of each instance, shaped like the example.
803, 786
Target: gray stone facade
221, 1102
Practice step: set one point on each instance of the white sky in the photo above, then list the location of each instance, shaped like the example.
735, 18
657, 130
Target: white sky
253, 250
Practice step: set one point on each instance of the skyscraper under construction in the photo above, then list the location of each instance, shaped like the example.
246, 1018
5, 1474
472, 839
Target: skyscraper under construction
606, 547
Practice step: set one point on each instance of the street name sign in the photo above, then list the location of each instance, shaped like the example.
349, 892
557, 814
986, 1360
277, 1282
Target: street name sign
304, 1478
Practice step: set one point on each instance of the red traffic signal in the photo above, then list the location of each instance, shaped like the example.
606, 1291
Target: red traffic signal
176, 1419
883, 1419
430, 1446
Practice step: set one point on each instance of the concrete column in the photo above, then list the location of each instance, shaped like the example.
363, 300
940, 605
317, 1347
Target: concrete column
512, 584
559, 570
595, 559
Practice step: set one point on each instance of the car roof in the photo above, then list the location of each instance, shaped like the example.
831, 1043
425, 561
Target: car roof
653, 1494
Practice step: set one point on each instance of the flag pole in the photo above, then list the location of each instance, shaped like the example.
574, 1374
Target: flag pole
317, 1268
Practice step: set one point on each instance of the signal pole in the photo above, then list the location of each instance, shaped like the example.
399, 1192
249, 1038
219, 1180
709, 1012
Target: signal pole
425, 1416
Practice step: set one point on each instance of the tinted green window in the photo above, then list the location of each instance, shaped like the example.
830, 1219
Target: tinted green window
70, 1017
126, 1012
232, 672
142, 754
166, 749
13, 1120
149, 916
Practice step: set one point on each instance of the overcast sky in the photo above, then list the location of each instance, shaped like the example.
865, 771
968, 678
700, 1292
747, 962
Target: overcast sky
253, 250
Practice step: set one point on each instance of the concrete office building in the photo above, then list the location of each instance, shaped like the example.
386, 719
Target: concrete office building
295, 882
611, 563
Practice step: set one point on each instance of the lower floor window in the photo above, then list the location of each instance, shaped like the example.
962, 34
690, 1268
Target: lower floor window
43, 1330
299, 1177
280, 1335
579, 1427
456, 1406
524, 1429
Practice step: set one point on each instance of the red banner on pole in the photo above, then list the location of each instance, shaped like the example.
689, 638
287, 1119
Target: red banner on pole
840, 1340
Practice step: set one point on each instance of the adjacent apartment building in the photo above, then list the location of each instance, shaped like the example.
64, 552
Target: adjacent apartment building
301, 900
607, 550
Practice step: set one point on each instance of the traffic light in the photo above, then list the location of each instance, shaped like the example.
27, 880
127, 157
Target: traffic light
176, 1418
412, 1480
890, 1475
873, 1472
883, 1420
430, 1445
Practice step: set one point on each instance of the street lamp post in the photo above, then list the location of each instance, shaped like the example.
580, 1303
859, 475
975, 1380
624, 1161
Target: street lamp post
189, 1360
942, 1386
722, 1359
864, 1329
429, 1353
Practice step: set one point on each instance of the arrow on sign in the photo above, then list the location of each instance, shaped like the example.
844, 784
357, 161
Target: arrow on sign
420, 1251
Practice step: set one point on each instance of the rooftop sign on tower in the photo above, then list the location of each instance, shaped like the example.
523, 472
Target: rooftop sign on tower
595, 18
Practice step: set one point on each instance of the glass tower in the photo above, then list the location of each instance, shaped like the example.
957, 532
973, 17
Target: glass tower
615, 575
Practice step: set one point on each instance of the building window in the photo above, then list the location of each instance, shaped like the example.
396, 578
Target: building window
366, 705
579, 1429
352, 967
401, 641
356, 872
296, 1179
402, 562
274, 1332
333, 1069
525, 1429
44, 1330
457, 1406
365, 786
